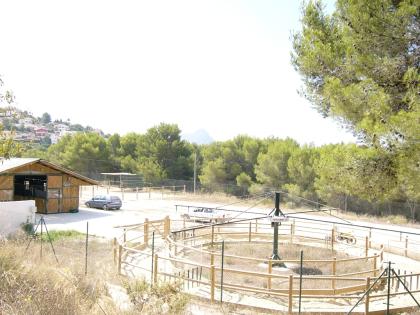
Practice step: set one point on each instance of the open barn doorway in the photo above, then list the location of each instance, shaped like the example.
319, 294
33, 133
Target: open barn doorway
31, 187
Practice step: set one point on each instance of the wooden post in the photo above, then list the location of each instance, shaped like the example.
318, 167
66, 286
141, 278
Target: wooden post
334, 272
170, 247
375, 264
382, 253
406, 246
332, 239
249, 232
166, 227
212, 283
146, 231
294, 227
120, 249
115, 250
270, 270
125, 236
291, 233
155, 269
411, 281
393, 278
212, 236
367, 246
212, 259
290, 311
367, 296
256, 226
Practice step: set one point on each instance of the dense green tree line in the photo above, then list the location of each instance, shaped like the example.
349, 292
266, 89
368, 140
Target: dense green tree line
350, 176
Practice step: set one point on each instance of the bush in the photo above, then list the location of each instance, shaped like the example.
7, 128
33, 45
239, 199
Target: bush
158, 299
28, 228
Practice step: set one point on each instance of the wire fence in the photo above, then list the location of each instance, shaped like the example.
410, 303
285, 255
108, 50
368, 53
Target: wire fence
343, 202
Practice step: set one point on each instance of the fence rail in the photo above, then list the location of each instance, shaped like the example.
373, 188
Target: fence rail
186, 238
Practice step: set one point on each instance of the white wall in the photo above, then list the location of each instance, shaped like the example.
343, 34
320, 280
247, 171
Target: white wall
14, 213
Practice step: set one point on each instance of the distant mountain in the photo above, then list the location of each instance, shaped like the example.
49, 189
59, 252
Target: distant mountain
199, 137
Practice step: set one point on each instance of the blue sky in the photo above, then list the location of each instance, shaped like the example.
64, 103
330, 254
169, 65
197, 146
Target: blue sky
122, 66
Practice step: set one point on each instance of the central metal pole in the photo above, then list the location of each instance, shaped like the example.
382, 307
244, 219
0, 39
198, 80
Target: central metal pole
275, 255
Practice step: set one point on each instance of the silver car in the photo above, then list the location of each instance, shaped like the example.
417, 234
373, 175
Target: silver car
105, 202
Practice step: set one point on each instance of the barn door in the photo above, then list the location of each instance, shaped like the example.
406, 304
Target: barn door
6, 188
55, 193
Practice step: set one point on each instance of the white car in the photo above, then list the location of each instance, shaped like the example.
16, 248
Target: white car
207, 215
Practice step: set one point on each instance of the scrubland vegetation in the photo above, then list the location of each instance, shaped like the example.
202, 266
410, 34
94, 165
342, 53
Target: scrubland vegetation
31, 284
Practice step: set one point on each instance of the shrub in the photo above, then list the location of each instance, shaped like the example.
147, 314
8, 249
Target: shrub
157, 299
28, 228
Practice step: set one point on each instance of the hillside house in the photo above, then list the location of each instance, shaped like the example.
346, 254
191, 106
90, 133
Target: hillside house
26, 121
41, 132
61, 127
54, 188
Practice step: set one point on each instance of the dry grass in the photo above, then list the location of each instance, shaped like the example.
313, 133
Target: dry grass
31, 284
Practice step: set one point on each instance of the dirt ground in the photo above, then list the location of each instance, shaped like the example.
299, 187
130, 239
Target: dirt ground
156, 206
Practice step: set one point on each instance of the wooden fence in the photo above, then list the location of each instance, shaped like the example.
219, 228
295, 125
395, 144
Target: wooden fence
186, 238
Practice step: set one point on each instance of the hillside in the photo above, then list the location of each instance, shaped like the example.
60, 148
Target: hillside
43, 130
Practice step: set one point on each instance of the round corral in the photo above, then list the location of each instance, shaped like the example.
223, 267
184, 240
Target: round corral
231, 262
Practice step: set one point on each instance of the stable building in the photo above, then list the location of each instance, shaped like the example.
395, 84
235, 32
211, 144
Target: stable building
54, 188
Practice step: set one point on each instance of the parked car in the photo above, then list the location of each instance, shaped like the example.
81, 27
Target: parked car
105, 202
207, 215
